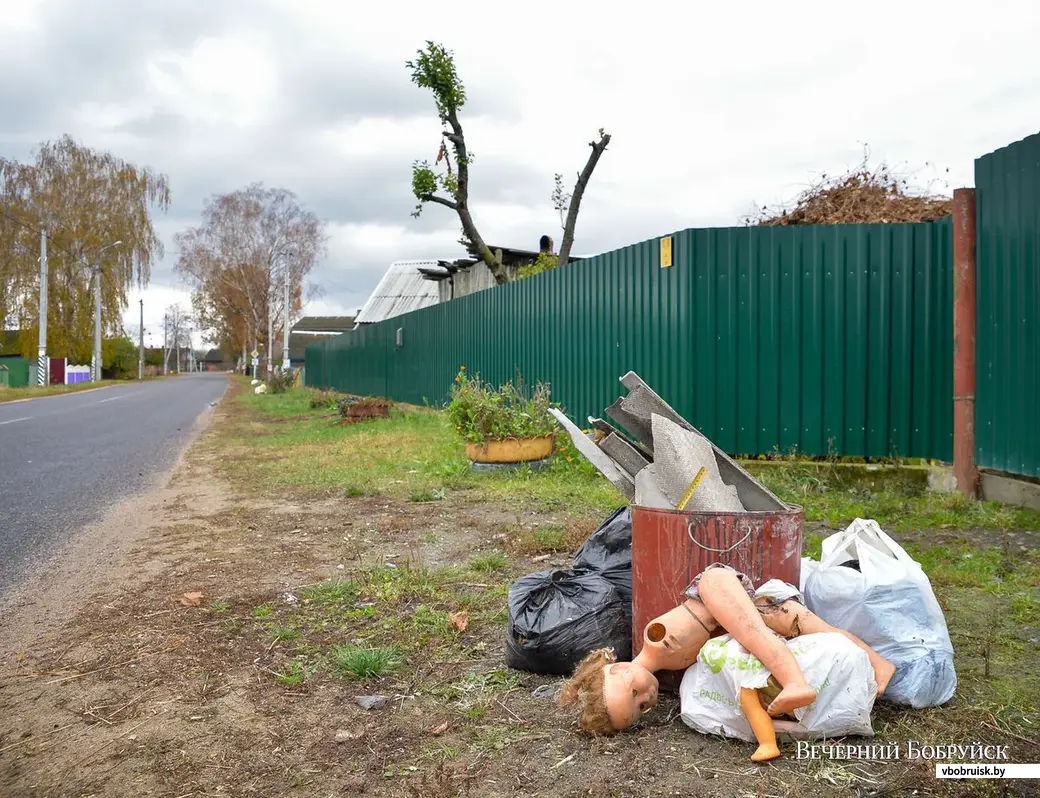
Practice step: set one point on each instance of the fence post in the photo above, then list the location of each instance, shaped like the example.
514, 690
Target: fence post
964, 469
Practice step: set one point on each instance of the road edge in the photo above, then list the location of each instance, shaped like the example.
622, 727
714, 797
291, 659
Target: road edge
55, 395
67, 576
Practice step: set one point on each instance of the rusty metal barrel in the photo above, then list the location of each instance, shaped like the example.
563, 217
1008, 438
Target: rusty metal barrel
669, 548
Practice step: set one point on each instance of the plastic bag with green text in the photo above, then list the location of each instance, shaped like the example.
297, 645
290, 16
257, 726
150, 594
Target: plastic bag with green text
835, 666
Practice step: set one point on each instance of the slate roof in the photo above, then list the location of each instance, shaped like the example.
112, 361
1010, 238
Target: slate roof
401, 290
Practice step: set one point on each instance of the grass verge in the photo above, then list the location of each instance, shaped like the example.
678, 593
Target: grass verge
414, 455
898, 505
437, 631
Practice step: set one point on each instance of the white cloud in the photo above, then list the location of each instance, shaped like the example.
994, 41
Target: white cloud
712, 107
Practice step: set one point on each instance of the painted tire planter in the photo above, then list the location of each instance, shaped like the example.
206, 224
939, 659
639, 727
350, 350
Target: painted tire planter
511, 451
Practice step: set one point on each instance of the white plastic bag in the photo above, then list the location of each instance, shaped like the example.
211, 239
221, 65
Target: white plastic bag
889, 604
809, 566
837, 669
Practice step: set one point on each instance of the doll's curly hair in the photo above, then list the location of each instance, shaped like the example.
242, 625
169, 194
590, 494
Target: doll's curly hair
585, 688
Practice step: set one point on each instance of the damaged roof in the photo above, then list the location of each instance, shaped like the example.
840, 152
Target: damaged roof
401, 290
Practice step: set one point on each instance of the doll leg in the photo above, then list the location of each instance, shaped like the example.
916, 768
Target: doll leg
761, 725
728, 601
791, 619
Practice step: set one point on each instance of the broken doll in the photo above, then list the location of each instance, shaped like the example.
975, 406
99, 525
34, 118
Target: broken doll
613, 695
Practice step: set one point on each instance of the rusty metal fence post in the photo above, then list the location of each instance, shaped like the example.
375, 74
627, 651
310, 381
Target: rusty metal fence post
964, 468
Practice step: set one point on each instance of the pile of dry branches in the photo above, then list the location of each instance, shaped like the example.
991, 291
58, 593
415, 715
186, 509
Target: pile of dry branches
864, 195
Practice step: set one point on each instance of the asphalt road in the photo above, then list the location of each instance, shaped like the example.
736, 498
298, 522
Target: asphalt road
64, 460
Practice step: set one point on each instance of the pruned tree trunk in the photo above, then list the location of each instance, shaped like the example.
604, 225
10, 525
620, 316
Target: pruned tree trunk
579, 189
469, 227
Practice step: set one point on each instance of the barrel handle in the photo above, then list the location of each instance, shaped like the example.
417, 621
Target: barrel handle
689, 531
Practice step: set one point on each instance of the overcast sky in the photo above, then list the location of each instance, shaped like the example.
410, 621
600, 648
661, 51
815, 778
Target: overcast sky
712, 108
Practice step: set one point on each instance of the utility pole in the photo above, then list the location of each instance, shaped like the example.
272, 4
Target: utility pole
165, 346
97, 324
42, 366
285, 328
270, 332
96, 359
140, 357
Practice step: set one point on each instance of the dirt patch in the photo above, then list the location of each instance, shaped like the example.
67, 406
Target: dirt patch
121, 679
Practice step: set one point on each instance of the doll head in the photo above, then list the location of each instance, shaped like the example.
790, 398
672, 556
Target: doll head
613, 695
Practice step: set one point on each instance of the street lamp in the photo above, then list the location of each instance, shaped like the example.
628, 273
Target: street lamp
95, 365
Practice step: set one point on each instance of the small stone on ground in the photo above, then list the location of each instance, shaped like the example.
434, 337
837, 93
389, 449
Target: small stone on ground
372, 701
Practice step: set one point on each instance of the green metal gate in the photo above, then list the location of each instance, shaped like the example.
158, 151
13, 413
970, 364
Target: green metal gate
1007, 337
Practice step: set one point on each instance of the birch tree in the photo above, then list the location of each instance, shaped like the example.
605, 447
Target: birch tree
85, 200
237, 259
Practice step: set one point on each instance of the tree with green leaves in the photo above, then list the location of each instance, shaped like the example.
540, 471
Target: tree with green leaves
85, 200
448, 185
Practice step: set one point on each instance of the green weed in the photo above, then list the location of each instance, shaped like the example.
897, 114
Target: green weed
284, 633
294, 673
263, 611
489, 563
426, 495
355, 662
335, 591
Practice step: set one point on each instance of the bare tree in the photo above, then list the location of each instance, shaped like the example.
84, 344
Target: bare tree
434, 69
177, 330
238, 258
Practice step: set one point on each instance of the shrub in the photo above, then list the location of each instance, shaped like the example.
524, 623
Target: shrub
279, 382
482, 413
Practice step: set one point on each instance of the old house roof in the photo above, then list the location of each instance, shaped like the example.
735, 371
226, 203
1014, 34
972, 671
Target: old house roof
401, 290
323, 324
298, 342
215, 356
443, 269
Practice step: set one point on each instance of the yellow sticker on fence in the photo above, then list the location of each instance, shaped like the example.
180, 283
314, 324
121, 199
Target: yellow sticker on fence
666, 252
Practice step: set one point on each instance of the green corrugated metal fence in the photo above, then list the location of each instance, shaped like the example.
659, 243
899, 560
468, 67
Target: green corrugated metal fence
821, 339
1007, 337
18, 371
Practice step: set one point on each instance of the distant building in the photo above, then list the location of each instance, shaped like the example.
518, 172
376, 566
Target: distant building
216, 360
311, 329
468, 275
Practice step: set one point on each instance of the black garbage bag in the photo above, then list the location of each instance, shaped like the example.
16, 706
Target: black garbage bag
557, 617
608, 552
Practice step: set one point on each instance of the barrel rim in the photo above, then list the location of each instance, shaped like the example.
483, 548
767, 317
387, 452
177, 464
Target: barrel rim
792, 511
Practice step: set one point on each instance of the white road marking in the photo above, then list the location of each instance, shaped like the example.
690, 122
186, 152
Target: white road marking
15, 420
110, 399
